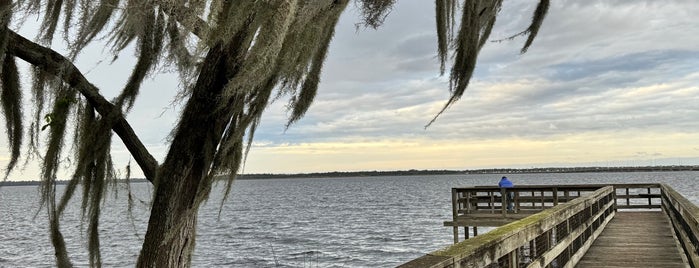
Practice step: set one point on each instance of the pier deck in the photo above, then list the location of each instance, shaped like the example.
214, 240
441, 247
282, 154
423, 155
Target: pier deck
635, 239
561, 226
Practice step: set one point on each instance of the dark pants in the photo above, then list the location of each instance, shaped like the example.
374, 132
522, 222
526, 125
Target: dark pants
510, 200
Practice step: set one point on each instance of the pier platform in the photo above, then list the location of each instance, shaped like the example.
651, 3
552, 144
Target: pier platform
635, 239
590, 226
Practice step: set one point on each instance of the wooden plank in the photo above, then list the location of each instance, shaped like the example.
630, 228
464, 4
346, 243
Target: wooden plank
635, 239
632, 206
621, 264
688, 213
488, 219
523, 198
428, 261
546, 258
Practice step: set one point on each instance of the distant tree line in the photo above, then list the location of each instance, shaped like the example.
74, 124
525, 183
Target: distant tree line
585, 169
415, 172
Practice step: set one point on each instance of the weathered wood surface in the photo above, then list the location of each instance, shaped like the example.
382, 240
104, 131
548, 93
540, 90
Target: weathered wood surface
482, 205
635, 239
488, 219
684, 216
507, 241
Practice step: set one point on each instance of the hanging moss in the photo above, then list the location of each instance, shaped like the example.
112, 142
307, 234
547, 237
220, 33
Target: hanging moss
259, 51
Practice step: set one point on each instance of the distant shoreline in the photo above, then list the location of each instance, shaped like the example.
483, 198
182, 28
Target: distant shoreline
473, 171
413, 172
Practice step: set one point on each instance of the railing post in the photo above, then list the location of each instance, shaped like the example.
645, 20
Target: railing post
468, 202
455, 213
628, 202
492, 202
614, 198
547, 246
543, 203
555, 196
569, 249
663, 194
503, 201
513, 259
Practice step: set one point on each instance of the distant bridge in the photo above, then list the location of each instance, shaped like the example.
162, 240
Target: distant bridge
616, 225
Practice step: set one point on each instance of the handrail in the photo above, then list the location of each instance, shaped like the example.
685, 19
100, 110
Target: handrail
484, 205
475, 199
684, 216
558, 235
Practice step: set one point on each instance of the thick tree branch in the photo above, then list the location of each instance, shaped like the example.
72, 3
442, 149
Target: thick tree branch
54, 63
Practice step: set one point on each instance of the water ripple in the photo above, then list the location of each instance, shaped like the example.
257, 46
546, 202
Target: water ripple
338, 222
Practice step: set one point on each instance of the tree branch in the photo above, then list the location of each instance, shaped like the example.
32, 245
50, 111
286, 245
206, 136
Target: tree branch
194, 24
54, 63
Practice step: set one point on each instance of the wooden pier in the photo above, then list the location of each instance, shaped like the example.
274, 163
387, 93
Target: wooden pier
621, 245
618, 225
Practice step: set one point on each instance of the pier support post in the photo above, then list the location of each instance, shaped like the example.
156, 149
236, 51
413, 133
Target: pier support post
456, 234
455, 213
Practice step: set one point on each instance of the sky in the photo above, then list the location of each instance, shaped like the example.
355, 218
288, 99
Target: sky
606, 83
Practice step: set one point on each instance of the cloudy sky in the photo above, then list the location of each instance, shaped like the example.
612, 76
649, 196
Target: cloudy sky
605, 83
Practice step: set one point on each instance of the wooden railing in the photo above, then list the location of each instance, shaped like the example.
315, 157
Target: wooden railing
535, 198
555, 237
526, 198
684, 216
638, 196
484, 205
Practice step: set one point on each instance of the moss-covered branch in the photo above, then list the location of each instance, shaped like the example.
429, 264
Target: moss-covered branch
54, 63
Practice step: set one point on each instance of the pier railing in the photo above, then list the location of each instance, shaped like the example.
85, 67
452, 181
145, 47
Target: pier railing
551, 238
556, 235
684, 216
485, 205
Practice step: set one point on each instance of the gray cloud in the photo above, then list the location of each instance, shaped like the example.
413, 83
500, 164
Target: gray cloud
596, 67
625, 64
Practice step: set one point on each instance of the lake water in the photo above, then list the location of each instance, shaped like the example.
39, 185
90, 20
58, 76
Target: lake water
333, 222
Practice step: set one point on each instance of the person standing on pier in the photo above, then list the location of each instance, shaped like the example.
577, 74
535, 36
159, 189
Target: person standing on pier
506, 183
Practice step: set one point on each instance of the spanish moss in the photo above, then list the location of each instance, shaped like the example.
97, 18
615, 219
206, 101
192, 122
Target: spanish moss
477, 21
233, 59
11, 100
375, 11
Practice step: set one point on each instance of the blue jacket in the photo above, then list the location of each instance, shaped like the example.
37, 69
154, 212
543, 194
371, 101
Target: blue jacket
505, 183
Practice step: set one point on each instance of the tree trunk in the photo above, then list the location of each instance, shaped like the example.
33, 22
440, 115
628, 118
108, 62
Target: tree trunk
170, 238
183, 181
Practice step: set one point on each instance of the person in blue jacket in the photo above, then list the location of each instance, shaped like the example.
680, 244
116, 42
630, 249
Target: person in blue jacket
505, 183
